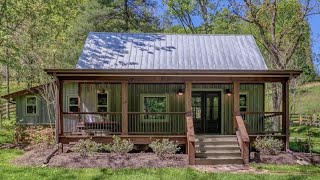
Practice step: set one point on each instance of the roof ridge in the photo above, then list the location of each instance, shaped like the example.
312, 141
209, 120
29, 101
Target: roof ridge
137, 33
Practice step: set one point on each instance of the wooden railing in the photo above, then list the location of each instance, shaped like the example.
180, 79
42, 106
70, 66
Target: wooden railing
243, 138
91, 123
190, 140
261, 123
305, 119
169, 123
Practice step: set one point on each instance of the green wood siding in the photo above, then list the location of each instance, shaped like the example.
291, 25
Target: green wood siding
23, 118
255, 95
174, 124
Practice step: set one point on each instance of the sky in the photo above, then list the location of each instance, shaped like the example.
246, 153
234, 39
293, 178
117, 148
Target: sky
314, 22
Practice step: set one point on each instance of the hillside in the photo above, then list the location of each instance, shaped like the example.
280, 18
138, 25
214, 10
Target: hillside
308, 98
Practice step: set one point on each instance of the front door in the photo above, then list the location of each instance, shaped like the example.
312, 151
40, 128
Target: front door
206, 109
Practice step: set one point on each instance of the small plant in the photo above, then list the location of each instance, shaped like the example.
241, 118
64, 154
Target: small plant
104, 148
119, 146
85, 147
268, 145
303, 145
34, 135
164, 147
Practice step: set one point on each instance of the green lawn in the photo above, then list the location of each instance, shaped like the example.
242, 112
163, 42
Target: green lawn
308, 98
301, 132
9, 171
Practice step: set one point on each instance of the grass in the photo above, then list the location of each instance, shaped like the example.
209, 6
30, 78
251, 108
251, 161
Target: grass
301, 133
311, 169
9, 171
308, 98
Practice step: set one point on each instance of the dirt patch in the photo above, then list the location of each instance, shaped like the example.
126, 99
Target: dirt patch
290, 158
36, 157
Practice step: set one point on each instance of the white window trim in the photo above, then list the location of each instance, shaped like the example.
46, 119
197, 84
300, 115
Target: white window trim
37, 106
108, 101
142, 96
68, 102
247, 100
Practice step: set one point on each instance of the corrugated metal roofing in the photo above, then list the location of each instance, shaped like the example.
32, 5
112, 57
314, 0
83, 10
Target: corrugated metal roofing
170, 51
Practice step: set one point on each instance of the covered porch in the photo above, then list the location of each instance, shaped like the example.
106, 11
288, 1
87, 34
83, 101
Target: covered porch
179, 118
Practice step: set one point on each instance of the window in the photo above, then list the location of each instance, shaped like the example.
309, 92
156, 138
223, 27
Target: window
154, 104
31, 105
73, 104
102, 102
243, 100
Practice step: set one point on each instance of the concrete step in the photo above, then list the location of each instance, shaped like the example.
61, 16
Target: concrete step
219, 161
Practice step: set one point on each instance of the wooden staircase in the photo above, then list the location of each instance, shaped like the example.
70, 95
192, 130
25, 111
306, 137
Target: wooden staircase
217, 149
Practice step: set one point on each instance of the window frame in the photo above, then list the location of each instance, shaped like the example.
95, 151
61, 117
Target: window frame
142, 96
247, 101
68, 102
108, 101
36, 105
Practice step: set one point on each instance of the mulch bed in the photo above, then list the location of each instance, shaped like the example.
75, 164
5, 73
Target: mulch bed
290, 158
36, 157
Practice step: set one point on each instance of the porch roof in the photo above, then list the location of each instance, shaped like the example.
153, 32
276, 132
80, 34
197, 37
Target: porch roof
174, 75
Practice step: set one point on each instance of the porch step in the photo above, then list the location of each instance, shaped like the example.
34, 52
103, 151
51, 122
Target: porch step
217, 149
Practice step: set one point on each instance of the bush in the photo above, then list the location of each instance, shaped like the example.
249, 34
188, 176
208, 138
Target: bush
85, 147
164, 147
34, 135
303, 145
119, 146
268, 145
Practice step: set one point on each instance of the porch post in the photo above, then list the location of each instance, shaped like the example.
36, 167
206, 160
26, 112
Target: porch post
61, 106
236, 108
124, 113
188, 96
57, 109
285, 113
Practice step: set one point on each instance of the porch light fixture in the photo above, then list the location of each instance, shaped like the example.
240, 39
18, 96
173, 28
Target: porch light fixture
228, 92
102, 91
180, 92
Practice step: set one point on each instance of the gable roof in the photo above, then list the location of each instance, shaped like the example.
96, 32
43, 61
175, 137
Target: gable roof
32, 90
170, 51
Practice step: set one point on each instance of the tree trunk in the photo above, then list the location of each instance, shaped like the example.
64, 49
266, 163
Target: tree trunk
276, 103
126, 15
8, 91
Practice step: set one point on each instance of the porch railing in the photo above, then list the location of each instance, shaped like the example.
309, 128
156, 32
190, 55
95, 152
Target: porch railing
243, 138
259, 123
92, 123
172, 123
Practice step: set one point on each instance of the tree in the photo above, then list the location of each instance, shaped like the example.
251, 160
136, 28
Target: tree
281, 28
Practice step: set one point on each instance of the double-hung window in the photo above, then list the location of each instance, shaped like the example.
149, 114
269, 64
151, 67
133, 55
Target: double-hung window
31, 105
73, 104
102, 102
243, 102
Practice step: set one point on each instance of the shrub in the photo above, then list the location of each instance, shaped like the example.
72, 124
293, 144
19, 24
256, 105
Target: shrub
119, 146
104, 147
268, 145
303, 145
34, 135
85, 147
164, 147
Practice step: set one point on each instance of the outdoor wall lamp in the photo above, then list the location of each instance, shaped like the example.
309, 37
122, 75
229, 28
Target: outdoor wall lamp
180, 92
228, 92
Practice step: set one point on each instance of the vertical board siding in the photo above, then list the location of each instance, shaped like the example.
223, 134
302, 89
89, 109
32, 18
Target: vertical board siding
174, 124
42, 116
256, 102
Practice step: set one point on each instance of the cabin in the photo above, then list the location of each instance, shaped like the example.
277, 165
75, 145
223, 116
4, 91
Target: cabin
205, 91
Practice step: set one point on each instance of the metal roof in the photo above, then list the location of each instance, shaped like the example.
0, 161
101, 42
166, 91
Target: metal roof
104, 50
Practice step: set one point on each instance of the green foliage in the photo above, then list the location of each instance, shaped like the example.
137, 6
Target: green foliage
303, 144
119, 146
34, 135
164, 147
85, 147
268, 145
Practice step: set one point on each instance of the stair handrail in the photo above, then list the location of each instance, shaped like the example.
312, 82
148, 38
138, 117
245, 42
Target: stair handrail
243, 138
190, 139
